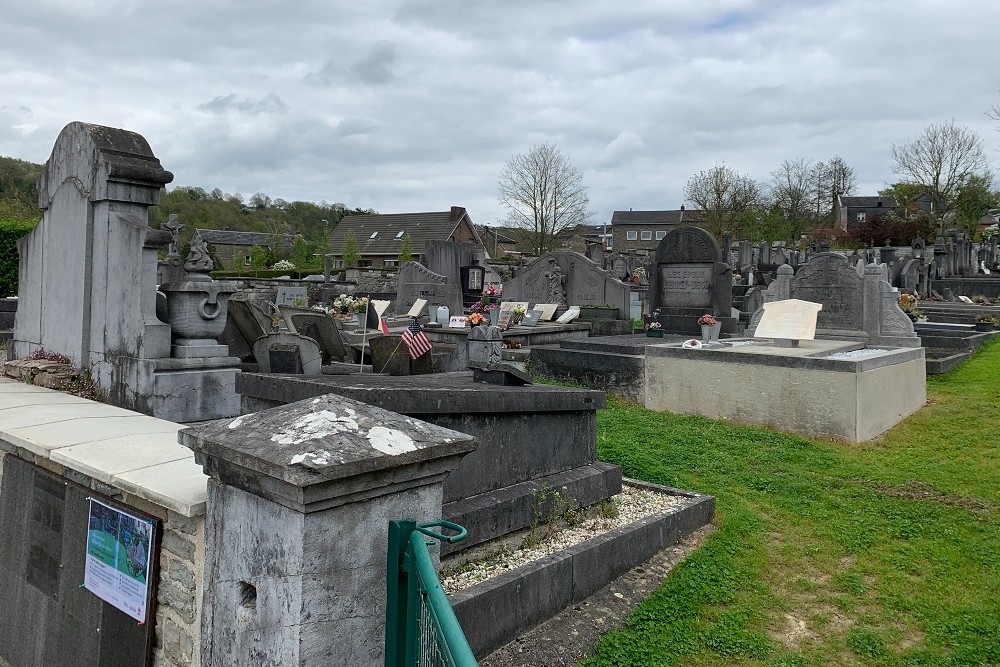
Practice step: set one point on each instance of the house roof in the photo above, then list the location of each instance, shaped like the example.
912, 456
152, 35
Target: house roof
488, 233
381, 233
888, 201
227, 237
674, 217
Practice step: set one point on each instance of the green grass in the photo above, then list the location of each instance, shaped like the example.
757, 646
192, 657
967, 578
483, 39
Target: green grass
886, 553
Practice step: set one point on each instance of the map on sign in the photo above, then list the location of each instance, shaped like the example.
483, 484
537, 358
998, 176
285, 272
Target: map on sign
118, 560
793, 319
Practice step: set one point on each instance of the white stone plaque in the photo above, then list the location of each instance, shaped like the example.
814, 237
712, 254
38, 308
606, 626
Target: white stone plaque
571, 314
514, 305
418, 305
548, 311
793, 319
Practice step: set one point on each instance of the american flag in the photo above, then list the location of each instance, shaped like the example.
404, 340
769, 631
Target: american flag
416, 341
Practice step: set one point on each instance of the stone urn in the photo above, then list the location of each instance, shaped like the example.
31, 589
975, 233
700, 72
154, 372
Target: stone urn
197, 307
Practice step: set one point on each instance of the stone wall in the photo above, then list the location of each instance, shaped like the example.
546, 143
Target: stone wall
179, 597
181, 567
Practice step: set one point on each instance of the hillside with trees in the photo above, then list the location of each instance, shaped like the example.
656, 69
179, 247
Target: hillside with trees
195, 207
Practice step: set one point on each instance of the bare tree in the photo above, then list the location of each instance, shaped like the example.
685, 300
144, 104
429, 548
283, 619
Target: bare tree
727, 199
792, 193
544, 194
942, 159
831, 180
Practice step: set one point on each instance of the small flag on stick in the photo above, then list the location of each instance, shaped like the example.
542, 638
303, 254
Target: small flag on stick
416, 341
383, 326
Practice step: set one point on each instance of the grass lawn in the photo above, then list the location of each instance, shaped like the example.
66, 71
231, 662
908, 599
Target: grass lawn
886, 553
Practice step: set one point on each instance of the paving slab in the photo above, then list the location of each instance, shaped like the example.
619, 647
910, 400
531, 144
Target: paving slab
35, 415
44, 438
103, 459
13, 400
181, 486
11, 386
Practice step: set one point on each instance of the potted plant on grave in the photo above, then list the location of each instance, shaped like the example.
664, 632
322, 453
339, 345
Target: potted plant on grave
709, 327
986, 323
654, 330
475, 319
516, 316
599, 312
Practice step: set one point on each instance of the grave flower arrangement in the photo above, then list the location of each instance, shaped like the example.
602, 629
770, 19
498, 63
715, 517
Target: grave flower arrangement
475, 319
707, 320
493, 289
345, 304
908, 304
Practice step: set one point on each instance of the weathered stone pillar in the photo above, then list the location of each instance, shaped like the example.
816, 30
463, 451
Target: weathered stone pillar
299, 501
485, 344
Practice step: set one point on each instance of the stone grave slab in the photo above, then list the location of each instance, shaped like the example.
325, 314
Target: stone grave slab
548, 310
571, 314
689, 279
567, 278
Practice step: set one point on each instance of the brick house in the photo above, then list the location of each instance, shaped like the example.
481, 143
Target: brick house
233, 248
851, 213
379, 235
639, 232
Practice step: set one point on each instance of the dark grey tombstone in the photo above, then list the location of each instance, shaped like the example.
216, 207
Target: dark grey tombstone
390, 356
485, 344
249, 319
446, 258
567, 278
310, 358
690, 280
416, 281
287, 295
499, 374
830, 279
284, 358
321, 328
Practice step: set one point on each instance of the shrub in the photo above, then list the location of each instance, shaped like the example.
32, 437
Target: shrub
10, 232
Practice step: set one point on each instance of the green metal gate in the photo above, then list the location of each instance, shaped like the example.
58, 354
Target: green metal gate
420, 626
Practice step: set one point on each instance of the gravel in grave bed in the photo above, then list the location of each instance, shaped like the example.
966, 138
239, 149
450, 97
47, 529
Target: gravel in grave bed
631, 505
855, 355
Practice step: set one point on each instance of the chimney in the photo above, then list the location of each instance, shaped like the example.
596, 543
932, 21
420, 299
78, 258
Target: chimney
682, 207
456, 213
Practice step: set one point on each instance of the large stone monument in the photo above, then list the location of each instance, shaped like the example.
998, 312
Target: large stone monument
691, 279
415, 281
855, 306
569, 279
87, 282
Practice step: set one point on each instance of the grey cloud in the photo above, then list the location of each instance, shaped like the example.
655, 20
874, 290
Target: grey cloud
377, 66
269, 104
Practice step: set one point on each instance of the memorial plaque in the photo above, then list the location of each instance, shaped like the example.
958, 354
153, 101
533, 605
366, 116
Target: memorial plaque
793, 319
548, 310
686, 285
288, 295
571, 314
285, 359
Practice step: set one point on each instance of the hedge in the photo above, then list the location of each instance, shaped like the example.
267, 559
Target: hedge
10, 232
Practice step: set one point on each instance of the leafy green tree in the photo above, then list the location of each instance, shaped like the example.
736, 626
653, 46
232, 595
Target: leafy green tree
302, 253
405, 250
258, 258
975, 198
350, 251
10, 232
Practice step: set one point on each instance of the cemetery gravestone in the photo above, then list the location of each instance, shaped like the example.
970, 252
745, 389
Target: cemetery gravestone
567, 278
287, 296
791, 319
690, 280
416, 281
485, 345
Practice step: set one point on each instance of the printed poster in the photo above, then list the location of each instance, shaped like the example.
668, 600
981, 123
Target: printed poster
118, 558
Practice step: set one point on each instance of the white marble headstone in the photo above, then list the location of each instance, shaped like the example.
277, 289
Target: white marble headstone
792, 319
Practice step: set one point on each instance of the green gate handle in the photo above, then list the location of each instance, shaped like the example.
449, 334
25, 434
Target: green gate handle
462, 533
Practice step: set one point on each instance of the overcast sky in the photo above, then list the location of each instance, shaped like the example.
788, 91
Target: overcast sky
415, 106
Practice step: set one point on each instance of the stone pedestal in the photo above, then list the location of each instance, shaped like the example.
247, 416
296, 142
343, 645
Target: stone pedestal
299, 502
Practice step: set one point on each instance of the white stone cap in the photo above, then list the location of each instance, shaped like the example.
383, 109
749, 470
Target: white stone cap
128, 450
